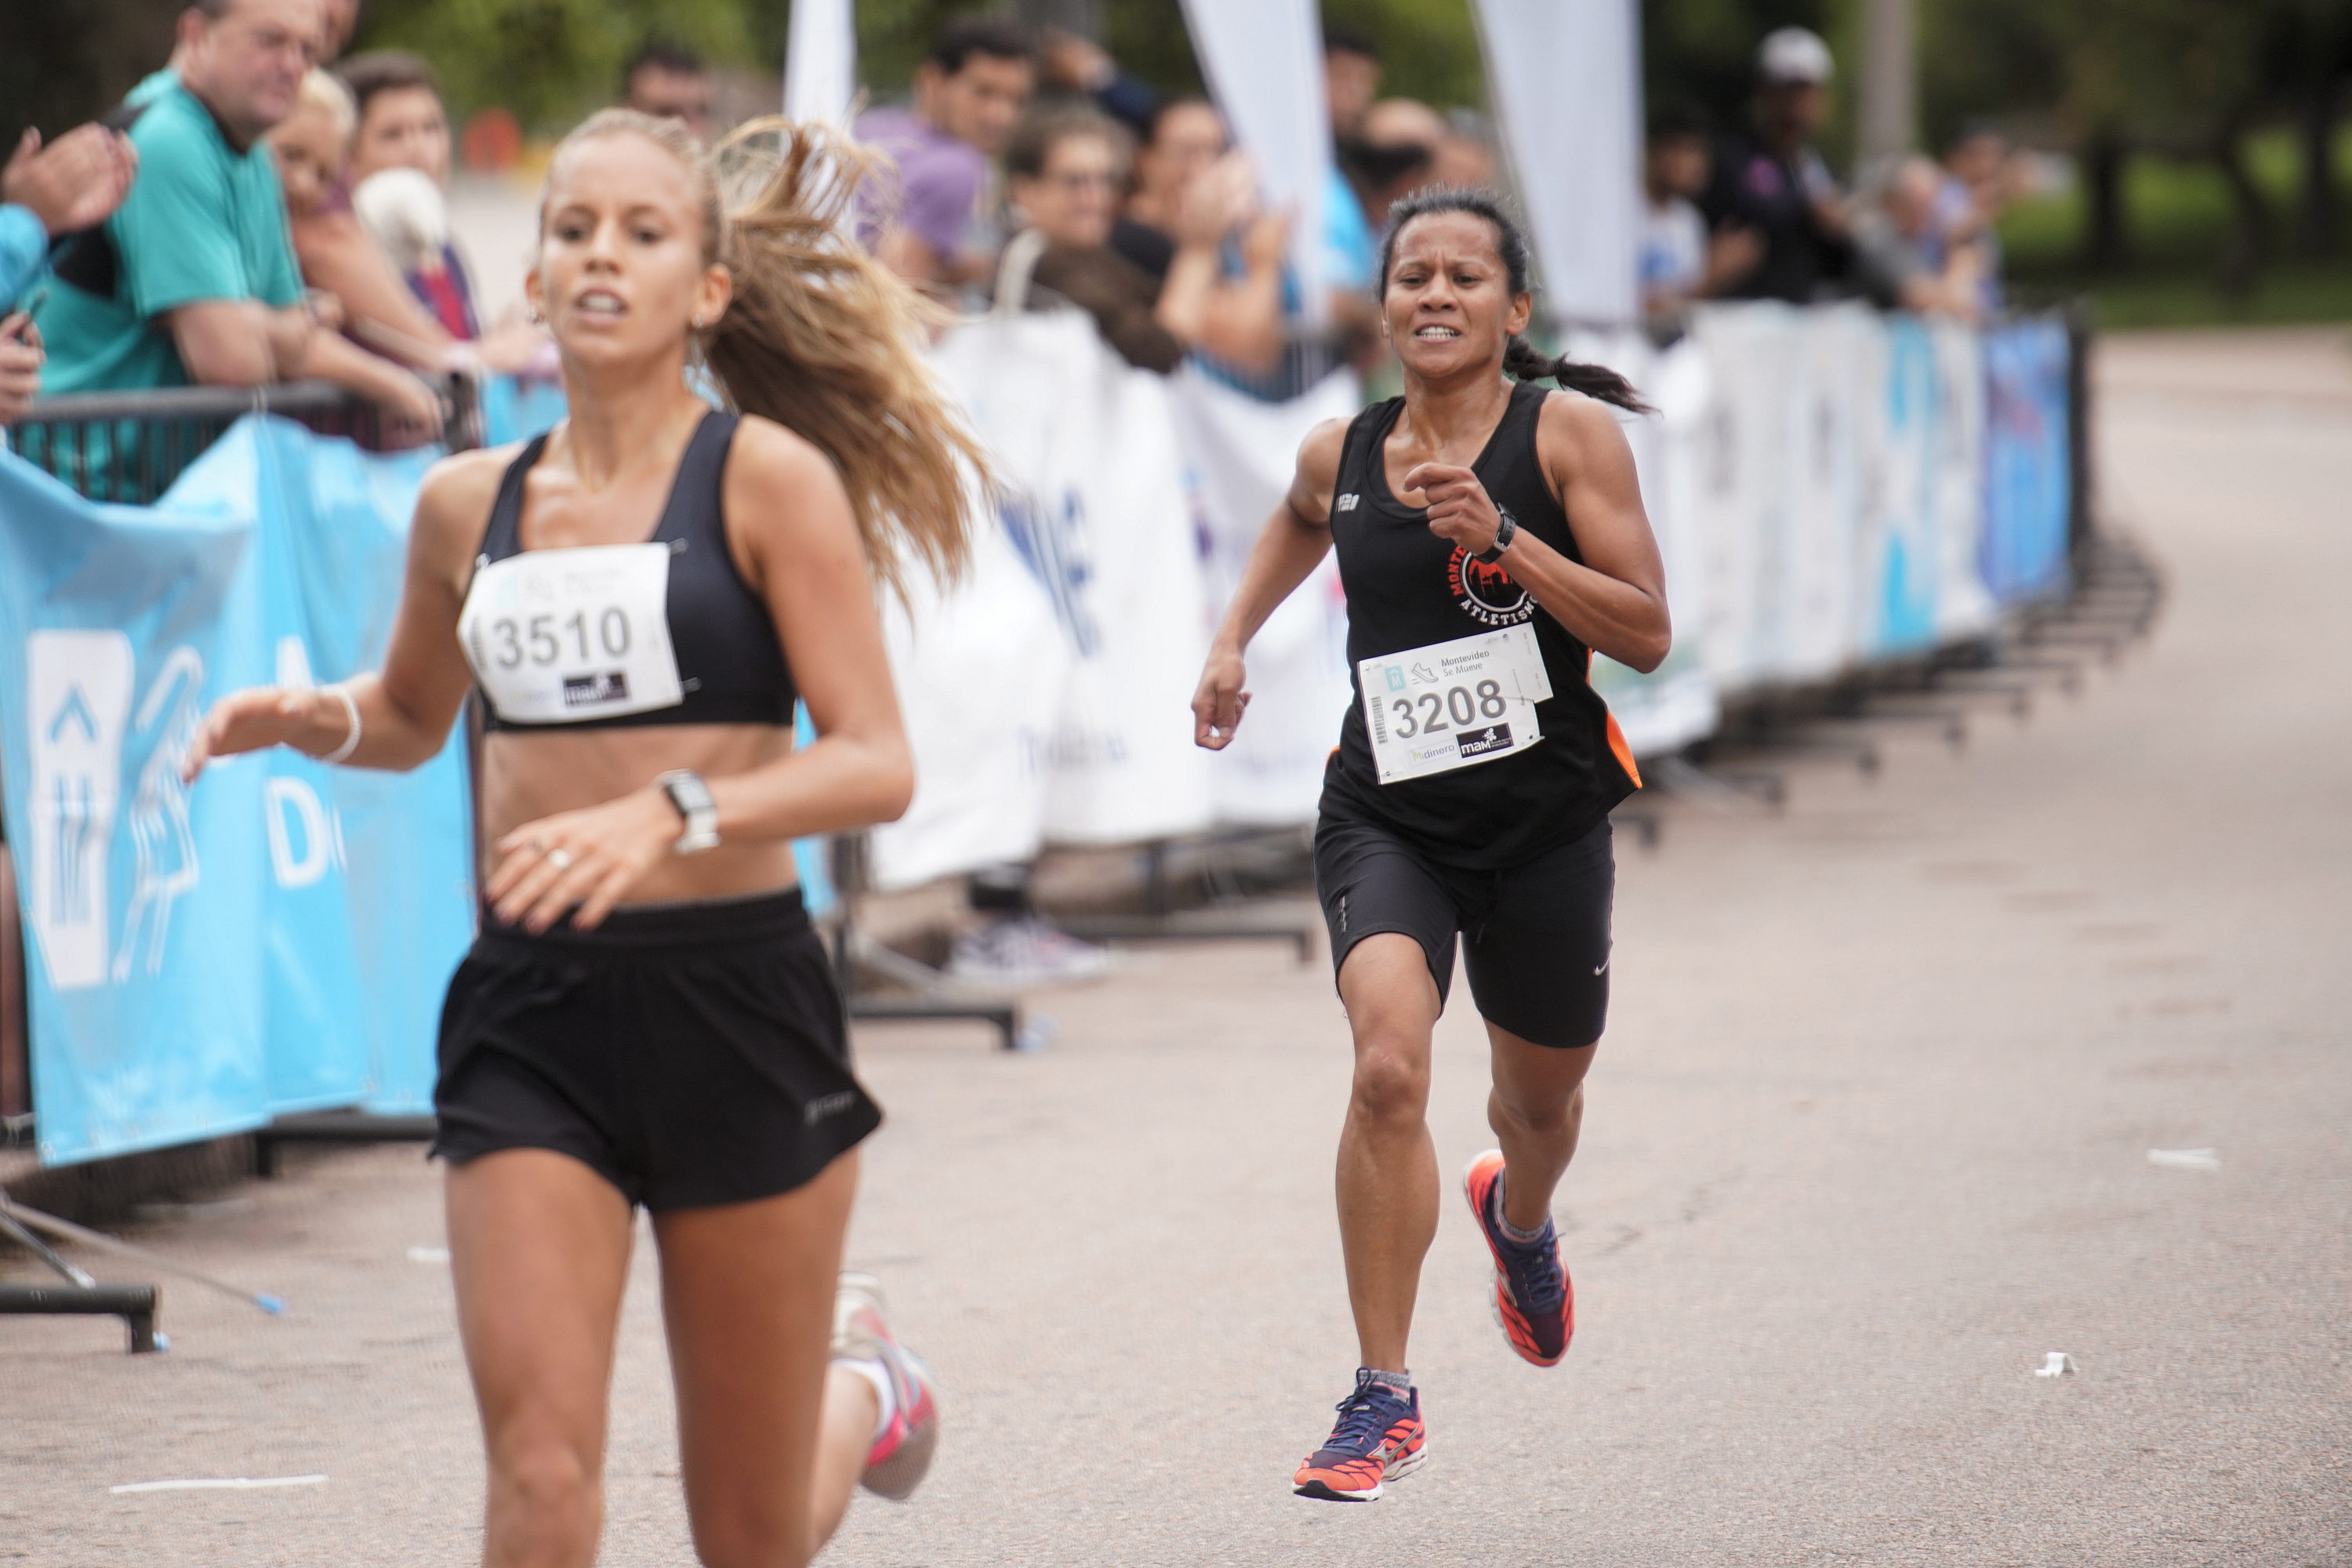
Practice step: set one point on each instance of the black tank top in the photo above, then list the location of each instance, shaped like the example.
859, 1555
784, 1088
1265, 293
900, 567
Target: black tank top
1408, 588
728, 658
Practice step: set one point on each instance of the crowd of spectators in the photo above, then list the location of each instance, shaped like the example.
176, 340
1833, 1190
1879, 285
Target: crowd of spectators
1756, 214
255, 212
249, 216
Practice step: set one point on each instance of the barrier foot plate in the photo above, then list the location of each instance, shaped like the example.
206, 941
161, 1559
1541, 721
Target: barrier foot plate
1209, 924
335, 1127
134, 1304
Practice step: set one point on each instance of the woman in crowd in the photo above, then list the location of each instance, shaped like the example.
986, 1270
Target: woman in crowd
1491, 539
348, 275
639, 598
1064, 169
1186, 137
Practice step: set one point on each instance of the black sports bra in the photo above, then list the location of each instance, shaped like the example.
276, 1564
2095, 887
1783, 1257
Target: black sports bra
583, 646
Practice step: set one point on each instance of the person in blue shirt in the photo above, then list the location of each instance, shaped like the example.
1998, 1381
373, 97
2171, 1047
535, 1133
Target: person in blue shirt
45, 193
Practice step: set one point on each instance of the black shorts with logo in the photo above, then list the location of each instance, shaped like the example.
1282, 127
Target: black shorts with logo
1535, 936
689, 1054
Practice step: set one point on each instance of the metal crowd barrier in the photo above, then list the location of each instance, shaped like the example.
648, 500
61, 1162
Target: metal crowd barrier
130, 447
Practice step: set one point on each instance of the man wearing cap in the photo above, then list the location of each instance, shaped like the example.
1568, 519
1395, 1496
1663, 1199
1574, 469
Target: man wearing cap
1772, 204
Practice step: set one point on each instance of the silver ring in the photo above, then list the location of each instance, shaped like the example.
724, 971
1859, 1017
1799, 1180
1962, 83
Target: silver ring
560, 858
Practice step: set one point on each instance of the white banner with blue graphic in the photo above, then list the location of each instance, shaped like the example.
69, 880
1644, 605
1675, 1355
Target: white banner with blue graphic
277, 937
1016, 744
1240, 453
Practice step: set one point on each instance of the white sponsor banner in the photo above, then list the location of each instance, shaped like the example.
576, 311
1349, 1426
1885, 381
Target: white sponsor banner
1675, 703
1736, 504
1816, 633
980, 670
1241, 453
1264, 62
821, 61
1964, 604
1566, 77
1093, 510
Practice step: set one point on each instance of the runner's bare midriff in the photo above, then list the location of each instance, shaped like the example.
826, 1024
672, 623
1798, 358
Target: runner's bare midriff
529, 774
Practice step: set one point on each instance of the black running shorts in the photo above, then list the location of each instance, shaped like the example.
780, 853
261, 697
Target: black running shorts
689, 1054
1534, 937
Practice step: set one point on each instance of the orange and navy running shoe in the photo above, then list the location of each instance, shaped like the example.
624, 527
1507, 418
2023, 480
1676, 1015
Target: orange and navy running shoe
1533, 1300
1380, 1439
901, 1455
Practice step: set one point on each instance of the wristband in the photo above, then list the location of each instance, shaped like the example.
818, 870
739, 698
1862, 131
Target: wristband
351, 713
1504, 533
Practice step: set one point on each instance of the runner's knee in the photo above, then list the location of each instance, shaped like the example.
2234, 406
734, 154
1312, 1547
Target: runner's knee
755, 1537
1392, 1081
1543, 1115
549, 1495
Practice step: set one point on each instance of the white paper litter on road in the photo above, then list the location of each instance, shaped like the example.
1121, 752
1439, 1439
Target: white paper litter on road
428, 1255
2054, 1363
2186, 1159
219, 1484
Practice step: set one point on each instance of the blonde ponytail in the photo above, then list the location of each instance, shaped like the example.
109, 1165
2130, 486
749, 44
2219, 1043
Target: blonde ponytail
824, 340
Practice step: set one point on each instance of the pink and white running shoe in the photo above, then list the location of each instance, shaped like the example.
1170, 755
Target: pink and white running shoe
901, 1455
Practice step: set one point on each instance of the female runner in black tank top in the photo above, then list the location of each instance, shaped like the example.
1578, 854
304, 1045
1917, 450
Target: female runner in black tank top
642, 1021
1490, 537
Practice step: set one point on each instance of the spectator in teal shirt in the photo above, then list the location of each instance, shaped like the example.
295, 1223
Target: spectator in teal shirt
193, 279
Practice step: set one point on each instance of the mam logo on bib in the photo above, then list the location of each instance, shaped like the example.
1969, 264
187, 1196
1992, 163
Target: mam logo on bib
1452, 704
556, 636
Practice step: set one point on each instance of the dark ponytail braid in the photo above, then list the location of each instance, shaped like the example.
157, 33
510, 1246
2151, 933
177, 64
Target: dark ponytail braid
1521, 359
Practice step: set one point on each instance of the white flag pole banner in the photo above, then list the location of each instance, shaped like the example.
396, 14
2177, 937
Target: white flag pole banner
821, 61
1240, 454
1566, 80
1264, 62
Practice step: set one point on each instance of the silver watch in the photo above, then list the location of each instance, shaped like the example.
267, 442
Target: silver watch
692, 797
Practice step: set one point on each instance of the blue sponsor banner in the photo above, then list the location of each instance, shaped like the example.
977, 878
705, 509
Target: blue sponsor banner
2028, 477
277, 937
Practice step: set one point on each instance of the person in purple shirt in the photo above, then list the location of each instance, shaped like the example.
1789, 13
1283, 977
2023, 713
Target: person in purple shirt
969, 94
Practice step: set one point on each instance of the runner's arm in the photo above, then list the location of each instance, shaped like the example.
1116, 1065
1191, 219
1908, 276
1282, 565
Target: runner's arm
1615, 603
1291, 547
404, 709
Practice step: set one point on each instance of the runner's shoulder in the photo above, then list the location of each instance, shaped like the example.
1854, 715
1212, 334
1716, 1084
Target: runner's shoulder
1574, 429
779, 482
1318, 471
1318, 455
453, 504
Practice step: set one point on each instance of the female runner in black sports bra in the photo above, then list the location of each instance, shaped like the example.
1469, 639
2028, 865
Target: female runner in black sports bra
1491, 537
647, 1017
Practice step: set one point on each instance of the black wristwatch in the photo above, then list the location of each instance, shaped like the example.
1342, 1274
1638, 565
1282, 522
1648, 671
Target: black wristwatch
1504, 532
692, 797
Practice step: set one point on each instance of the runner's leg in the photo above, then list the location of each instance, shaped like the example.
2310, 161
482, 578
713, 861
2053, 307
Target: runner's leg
1388, 1167
538, 1244
772, 1438
1535, 1109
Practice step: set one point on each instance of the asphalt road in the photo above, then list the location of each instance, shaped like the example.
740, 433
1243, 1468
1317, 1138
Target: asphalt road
1869, 1136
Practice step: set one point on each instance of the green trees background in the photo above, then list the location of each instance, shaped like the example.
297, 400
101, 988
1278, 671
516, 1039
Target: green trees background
2206, 133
